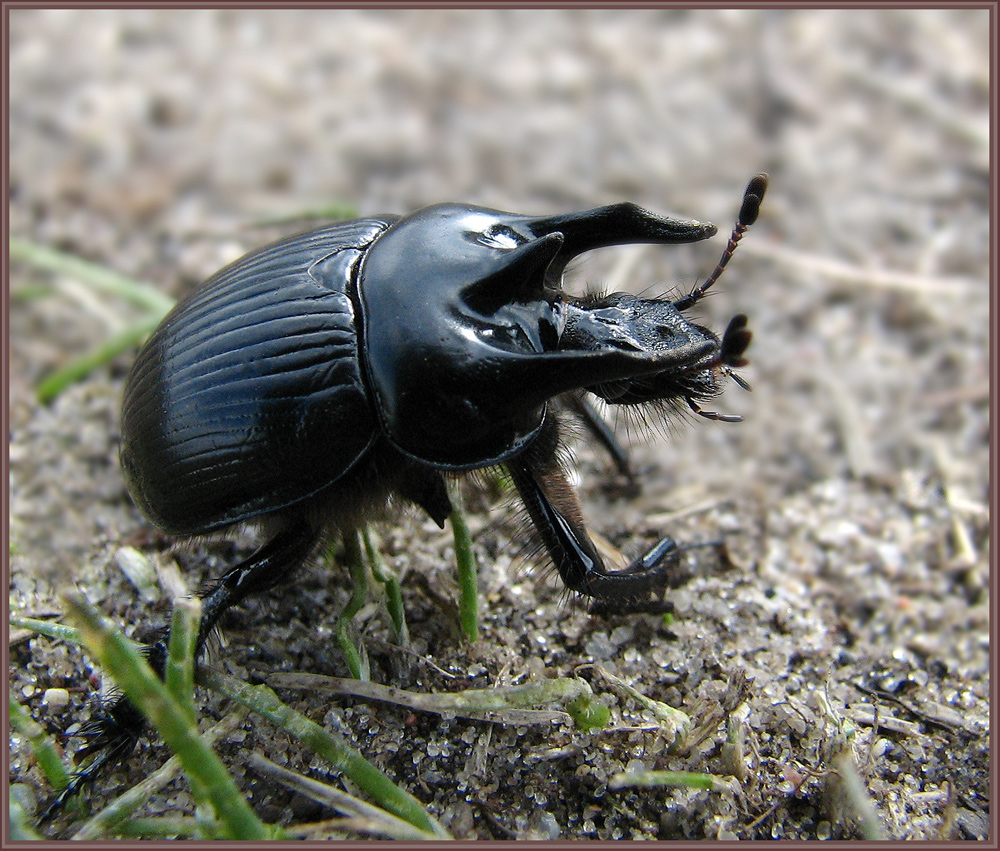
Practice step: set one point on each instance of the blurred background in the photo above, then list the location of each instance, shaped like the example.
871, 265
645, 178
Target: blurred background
165, 143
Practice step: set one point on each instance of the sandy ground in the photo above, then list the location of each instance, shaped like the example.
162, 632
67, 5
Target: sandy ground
854, 498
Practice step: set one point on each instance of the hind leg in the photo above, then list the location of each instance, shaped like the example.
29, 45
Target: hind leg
114, 734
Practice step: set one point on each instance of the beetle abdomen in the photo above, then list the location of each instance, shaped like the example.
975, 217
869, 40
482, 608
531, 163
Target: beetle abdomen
248, 397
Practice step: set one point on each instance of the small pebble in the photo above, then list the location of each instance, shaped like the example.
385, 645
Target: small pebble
56, 699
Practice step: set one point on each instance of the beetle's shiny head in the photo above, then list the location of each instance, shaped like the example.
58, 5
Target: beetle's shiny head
463, 323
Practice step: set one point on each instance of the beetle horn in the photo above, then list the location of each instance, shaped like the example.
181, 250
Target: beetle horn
521, 277
616, 224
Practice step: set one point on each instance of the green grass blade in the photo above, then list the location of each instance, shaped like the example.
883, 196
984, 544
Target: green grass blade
50, 629
499, 705
55, 382
364, 816
333, 748
359, 594
104, 280
162, 827
334, 212
393, 591
660, 779
468, 579
41, 744
21, 825
92, 274
179, 673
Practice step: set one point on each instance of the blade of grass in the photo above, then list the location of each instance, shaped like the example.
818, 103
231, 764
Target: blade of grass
356, 663
145, 690
21, 826
372, 819
509, 704
103, 280
468, 580
335, 212
50, 629
163, 827
93, 274
393, 591
659, 779
31, 292
179, 672
675, 724
41, 744
333, 748
55, 382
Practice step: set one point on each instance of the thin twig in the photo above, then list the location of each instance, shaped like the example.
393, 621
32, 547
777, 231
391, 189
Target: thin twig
497, 705
848, 273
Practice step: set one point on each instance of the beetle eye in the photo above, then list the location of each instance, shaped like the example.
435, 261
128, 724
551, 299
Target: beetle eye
501, 236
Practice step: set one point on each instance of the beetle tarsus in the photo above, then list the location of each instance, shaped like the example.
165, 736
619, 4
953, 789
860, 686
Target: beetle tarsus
112, 745
713, 415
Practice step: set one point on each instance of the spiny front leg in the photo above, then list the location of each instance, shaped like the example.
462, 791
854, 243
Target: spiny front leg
555, 511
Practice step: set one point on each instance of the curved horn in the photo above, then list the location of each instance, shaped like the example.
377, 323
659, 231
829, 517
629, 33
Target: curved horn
616, 224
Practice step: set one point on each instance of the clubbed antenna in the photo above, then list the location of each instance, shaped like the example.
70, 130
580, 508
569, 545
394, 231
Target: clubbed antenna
748, 215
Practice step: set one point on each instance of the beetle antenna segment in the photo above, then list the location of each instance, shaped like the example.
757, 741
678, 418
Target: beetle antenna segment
739, 380
749, 211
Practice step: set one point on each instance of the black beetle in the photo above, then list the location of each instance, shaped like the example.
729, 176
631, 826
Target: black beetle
311, 382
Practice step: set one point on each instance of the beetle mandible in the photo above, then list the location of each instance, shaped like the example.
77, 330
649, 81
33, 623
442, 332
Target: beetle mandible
314, 381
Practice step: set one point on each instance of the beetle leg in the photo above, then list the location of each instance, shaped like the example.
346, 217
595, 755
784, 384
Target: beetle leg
556, 513
713, 415
266, 568
425, 487
115, 732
